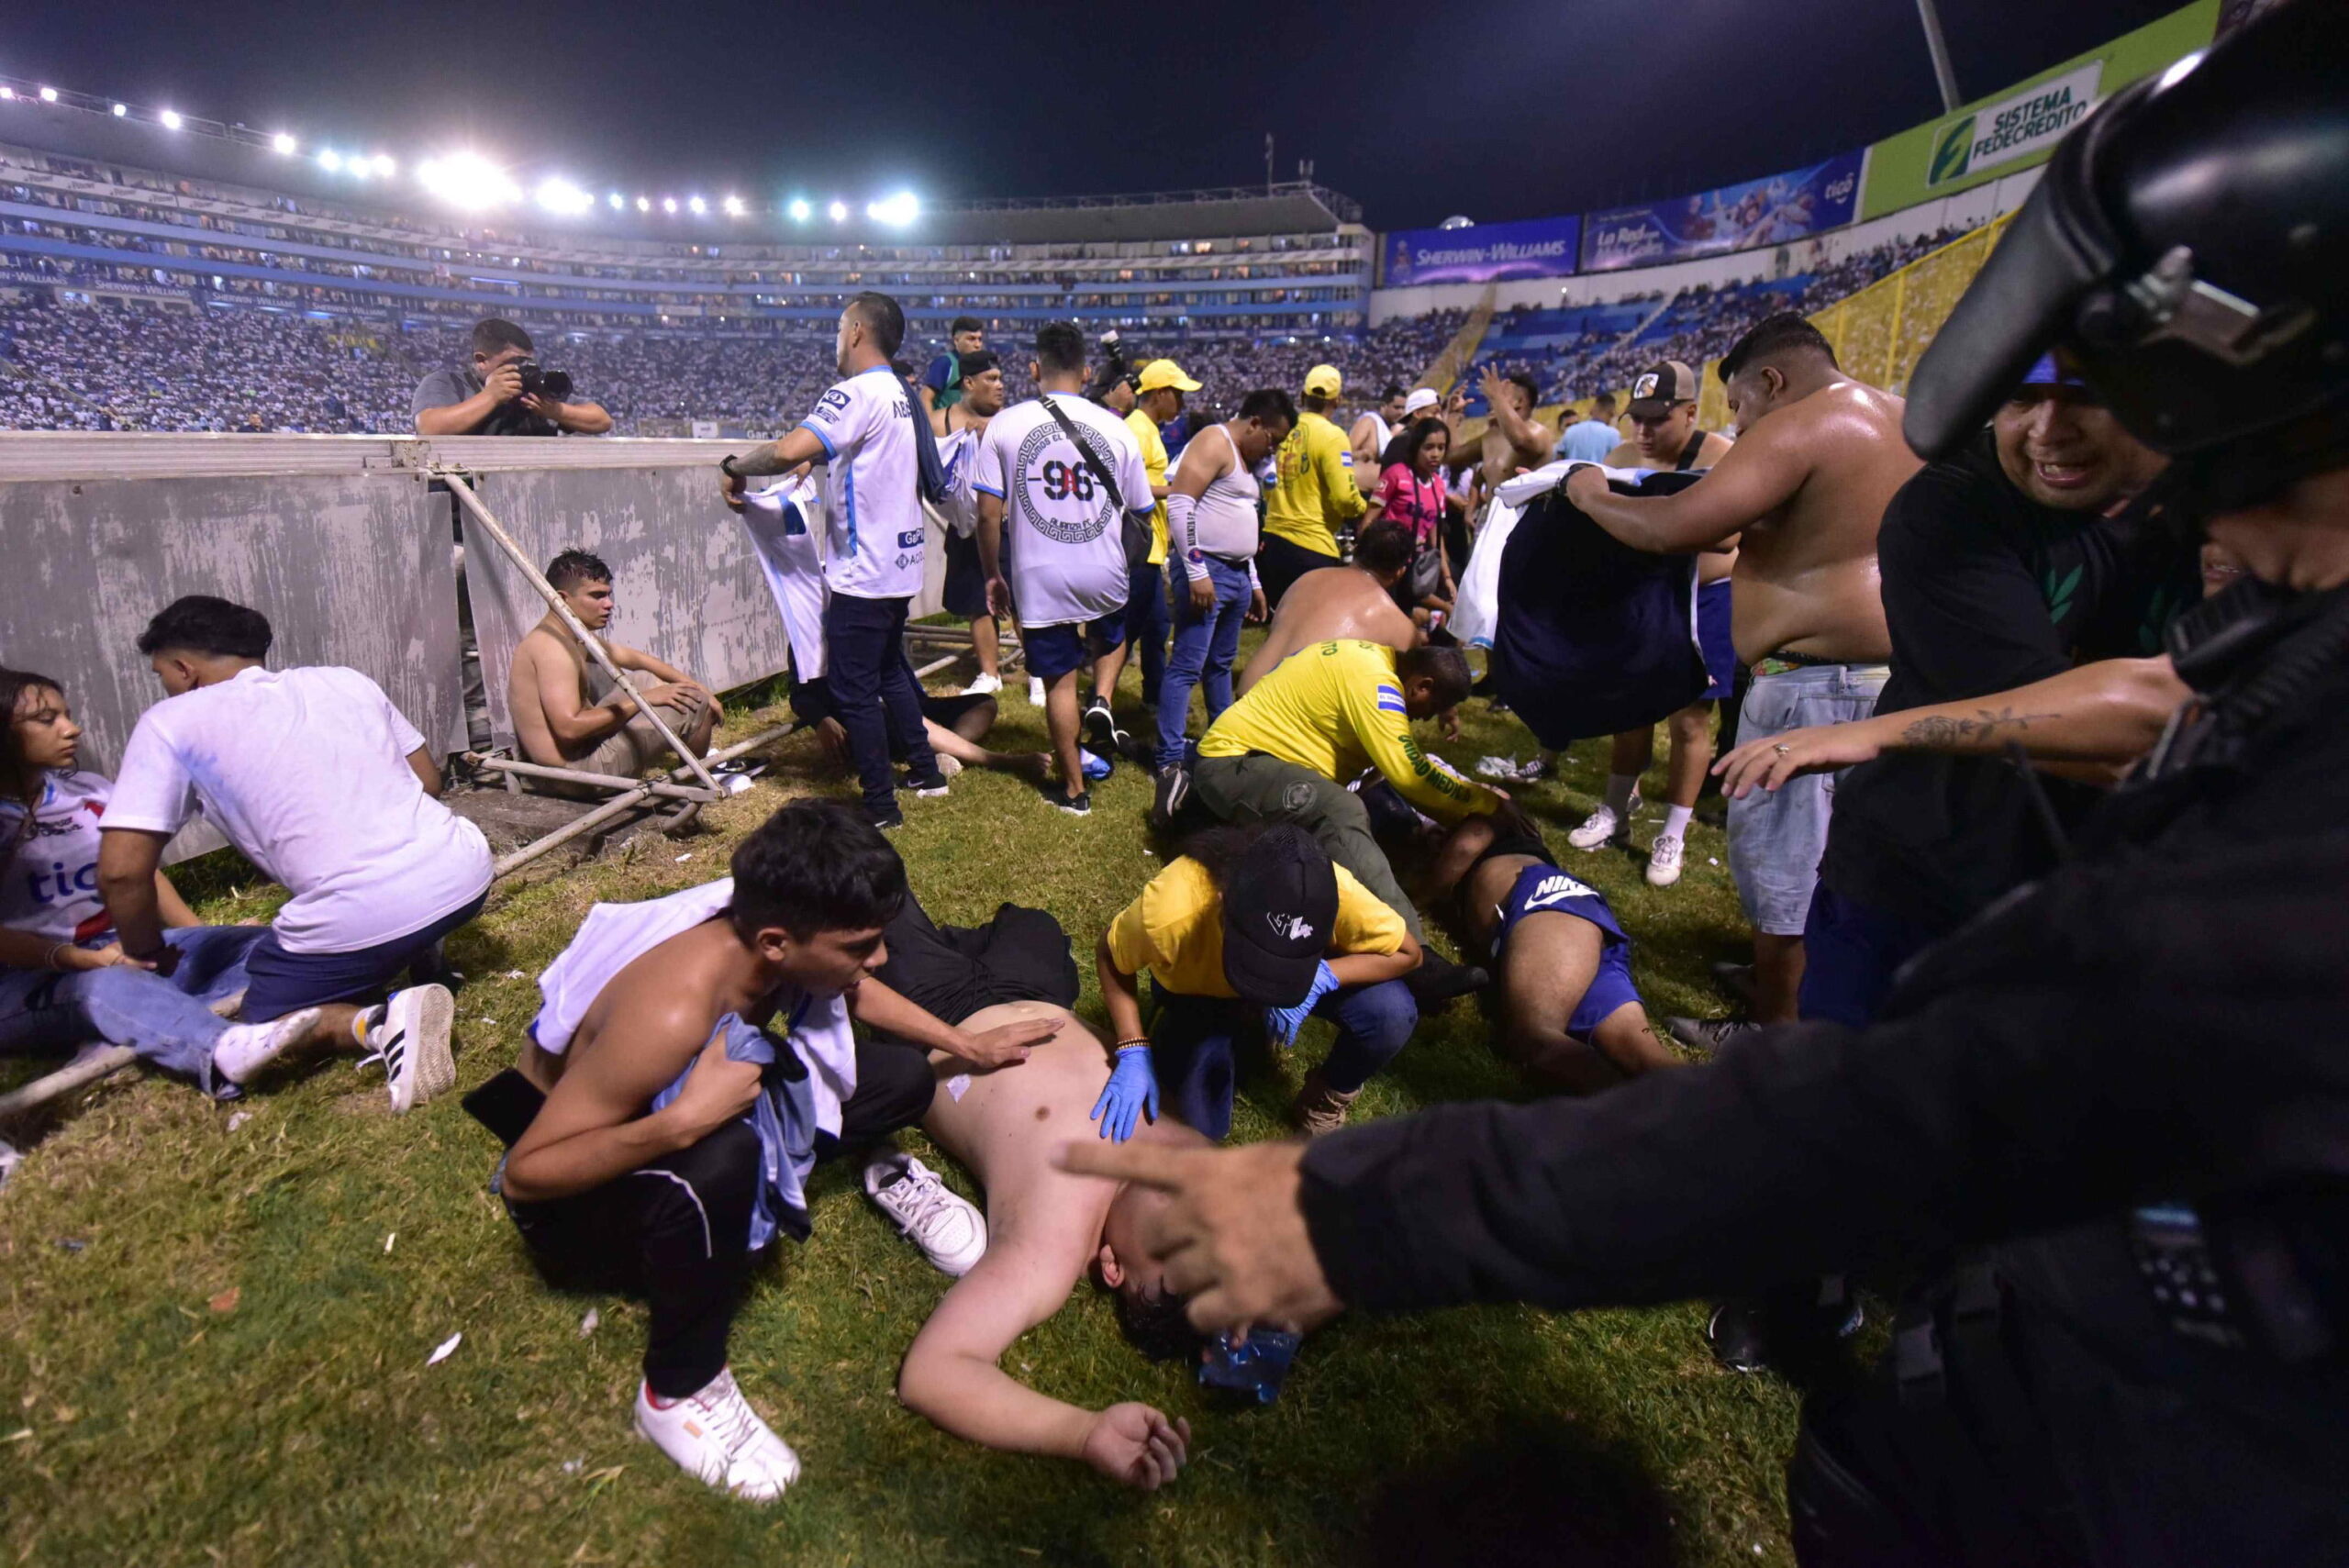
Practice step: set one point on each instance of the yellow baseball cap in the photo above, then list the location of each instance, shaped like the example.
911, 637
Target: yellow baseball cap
1162, 373
1323, 380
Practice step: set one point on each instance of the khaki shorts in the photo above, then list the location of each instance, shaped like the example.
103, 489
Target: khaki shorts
629, 752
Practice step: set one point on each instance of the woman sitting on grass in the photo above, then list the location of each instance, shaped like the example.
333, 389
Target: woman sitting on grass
64, 979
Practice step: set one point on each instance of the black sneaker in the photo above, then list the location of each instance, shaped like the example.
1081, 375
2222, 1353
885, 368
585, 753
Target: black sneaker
886, 821
1438, 980
930, 788
1167, 800
1077, 804
1709, 1034
1100, 727
1791, 1329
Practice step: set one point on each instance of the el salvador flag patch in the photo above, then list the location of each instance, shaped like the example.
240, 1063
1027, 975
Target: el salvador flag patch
1390, 700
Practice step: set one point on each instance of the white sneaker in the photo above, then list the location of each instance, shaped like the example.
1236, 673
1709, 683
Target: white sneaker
1036, 691
1663, 861
244, 1049
1603, 827
985, 686
951, 1233
717, 1438
409, 1035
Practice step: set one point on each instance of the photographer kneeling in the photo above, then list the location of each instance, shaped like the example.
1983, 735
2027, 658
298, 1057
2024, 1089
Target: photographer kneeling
503, 392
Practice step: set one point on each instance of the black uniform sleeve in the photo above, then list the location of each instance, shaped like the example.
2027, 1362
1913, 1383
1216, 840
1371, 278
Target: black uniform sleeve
1966, 613
2116, 1038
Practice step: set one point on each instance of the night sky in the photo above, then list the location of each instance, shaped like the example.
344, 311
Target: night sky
1513, 108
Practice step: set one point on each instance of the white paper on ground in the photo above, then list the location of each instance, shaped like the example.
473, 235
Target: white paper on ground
448, 1347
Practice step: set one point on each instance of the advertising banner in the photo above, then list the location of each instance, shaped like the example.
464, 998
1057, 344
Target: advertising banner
1482, 253
1769, 211
2019, 126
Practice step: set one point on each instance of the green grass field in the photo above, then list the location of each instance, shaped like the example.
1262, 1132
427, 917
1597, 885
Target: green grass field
214, 1319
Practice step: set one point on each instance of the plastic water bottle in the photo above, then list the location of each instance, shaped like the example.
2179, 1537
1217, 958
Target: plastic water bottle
1255, 1369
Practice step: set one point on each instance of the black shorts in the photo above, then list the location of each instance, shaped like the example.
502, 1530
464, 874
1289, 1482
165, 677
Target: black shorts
1515, 841
966, 579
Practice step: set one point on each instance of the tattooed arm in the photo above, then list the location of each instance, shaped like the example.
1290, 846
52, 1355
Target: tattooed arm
798, 447
2081, 723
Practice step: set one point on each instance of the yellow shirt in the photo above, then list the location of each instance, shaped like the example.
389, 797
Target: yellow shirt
1153, 458
1336, 709
1175, 928
1315, 490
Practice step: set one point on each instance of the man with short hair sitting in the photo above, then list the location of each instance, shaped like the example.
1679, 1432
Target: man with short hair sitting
567, 712
693, 1059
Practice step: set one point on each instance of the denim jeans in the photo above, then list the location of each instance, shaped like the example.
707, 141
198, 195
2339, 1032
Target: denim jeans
1205, 645
874, 694
1776, 837
1191, 1045
168, 1022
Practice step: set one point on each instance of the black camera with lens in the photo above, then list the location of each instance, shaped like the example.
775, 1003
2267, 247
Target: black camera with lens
540, 382
1116, 366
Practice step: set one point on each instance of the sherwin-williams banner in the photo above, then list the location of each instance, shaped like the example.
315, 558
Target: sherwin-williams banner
1769, 211
1538, 248
2021, 127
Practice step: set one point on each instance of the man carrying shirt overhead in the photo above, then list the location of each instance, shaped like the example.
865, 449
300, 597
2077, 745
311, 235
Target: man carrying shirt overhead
1315, 491
868, 430
1049, 515
1284, 751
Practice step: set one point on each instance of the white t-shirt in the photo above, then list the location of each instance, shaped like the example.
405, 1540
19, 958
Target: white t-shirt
959, 451
51, 889
777, 521
1063, 542
306, 773
875, 532
616, 935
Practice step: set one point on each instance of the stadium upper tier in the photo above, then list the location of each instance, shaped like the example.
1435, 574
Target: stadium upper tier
115, 229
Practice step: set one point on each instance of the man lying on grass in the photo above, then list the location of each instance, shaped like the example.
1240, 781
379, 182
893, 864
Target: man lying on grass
692, 1061
1045, 1229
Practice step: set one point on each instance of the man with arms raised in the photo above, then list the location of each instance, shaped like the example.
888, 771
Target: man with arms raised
1514, 439
693, 1058
1664, 436
1819, 458
1051, 534
561, 718
1343, 604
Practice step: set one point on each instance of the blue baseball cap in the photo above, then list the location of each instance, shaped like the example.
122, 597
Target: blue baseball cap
2048, 370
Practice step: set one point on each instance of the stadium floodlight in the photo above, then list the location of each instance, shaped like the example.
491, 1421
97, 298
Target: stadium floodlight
644, 204
121, 110
840, 212
171, 118
698, 205
558, 194
49, 95
617, 201
897, 211
800, 210
281, 142
385, 166
7, 94
734, 208
467, 180
669, 203
329, 160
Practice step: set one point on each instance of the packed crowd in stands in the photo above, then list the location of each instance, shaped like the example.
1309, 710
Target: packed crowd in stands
223, 367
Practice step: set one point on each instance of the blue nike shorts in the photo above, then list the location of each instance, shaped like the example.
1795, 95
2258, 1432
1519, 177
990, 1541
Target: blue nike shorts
1546, 890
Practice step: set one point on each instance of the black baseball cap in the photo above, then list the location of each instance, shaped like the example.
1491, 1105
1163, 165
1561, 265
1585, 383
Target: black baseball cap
1660, 386
1280, 902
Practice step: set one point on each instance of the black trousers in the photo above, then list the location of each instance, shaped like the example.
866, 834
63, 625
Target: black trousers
677, 1231
1280, 563
874, 694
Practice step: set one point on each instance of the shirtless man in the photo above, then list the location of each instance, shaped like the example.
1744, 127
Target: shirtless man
1664, 436
1819, 458
1343, 604
1373, 427
1046, 1229
1569, 1014
661, 1131
1514, 439
559, 720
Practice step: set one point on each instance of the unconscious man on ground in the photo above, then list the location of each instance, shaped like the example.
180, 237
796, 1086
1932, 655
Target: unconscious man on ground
692, 1061
569, 714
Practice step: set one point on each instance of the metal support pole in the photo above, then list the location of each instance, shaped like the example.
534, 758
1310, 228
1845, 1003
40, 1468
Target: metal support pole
593, 644
89, 1069
617, 807
516, 768
1945, 74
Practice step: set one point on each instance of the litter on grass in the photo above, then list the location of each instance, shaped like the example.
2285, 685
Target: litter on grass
448, 1347
389, 1239
588, 1324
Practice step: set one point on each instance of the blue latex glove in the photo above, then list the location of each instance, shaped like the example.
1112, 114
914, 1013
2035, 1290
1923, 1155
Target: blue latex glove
1131, 1091
1282, 1023
1096, 766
